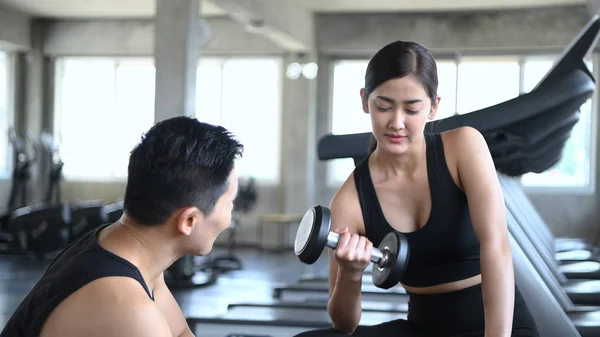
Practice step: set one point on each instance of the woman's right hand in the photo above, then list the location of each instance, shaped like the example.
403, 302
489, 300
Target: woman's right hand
353, 252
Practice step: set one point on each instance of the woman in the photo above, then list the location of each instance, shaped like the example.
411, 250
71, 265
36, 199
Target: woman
440, 190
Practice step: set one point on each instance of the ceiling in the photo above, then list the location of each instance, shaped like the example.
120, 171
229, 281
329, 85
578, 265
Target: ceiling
427, 5
145, 8
96, 8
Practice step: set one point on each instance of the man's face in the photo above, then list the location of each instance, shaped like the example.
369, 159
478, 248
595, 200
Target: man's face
219, 219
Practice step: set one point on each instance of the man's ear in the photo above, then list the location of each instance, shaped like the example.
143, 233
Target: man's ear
188, 219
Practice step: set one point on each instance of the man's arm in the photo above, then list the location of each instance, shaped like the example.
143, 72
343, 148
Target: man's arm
170, 309
479, 178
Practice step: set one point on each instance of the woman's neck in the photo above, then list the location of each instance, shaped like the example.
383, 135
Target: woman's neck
405, 164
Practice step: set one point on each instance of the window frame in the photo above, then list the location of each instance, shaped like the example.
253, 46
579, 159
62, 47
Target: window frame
10, 111
220, 61
59, 62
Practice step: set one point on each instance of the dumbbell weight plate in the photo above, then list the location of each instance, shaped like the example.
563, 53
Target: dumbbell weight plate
311, 236
391, 274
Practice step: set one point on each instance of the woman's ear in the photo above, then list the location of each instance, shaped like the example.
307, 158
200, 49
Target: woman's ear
365, 100
434, 108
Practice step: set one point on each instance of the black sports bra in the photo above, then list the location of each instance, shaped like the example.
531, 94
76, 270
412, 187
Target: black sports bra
446, 248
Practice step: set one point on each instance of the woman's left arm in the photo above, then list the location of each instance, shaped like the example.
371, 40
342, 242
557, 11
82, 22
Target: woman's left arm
479, 179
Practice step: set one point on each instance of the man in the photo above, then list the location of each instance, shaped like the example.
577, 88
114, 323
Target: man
179, 197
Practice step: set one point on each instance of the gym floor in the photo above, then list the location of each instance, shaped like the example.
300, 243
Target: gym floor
260, 272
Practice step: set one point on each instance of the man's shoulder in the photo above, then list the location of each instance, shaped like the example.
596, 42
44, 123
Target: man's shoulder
118, 304
135, 318
131, 319
110, 291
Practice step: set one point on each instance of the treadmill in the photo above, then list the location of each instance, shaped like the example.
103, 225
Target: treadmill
580, 252
366, 306
568, 274
585, 318
311, 292
263, 321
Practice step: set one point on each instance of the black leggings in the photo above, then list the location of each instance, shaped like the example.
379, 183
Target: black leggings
458, 313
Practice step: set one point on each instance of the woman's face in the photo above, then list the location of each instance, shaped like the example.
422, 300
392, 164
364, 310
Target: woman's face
399, 110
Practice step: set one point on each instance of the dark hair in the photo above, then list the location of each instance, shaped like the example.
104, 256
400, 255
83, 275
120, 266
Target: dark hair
399, 59
180, 162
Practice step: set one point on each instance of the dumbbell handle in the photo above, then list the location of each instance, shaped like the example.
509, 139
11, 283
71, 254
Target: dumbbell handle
377, 256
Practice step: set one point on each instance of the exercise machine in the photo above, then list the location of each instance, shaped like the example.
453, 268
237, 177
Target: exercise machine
86, 216
41, 229
583, 290
114, 211
191, 272
24, 159
320, 292
55, 166
274, 322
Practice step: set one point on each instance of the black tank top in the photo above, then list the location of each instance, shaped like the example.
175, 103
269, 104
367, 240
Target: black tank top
77, 265
446, 248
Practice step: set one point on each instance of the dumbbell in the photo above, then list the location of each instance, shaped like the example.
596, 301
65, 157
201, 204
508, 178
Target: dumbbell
314, 234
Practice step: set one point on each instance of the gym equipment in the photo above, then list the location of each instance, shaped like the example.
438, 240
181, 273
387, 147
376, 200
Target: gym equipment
322, 305
55, 166
114, 211
187, 273
314, 234
273, 322
23, 160
584, 291
324, 279
579, 250
514, 125
541, 283
86, 216
19, 191
41, 228
320, 292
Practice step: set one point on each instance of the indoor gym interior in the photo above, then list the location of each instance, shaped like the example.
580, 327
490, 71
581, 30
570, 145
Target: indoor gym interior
275, 73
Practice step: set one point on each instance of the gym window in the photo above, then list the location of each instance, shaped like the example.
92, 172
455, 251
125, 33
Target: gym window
465, 85
244, 96
5, 113
103, 106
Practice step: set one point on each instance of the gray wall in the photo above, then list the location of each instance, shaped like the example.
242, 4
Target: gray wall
337, 36
136, 37
14, 29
